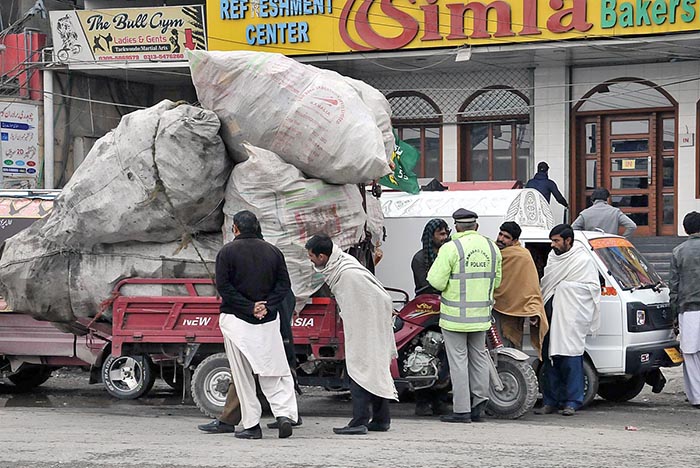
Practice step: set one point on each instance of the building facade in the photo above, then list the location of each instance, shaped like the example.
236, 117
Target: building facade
606, 92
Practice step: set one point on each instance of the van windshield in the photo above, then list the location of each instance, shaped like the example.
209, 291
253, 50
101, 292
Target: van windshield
625, 263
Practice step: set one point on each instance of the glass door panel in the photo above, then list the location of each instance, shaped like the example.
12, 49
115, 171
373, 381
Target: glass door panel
633, 155
628, 151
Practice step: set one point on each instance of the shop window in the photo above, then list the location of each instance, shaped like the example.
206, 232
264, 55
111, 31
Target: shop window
418, 122
495, 136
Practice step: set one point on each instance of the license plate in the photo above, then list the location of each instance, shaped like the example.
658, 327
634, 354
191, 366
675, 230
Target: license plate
674, 354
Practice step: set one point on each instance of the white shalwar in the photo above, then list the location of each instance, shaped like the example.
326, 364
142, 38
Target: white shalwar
258, 349
689, 323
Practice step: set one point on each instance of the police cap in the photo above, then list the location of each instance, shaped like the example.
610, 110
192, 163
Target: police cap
464, 216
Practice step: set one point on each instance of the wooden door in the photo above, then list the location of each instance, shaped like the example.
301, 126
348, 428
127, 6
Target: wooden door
628, 167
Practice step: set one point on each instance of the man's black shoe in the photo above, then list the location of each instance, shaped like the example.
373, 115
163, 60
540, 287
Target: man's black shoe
284, 425
457, 418
217, 427
350, 430
253, 433
275, 424
378, 427
478, 412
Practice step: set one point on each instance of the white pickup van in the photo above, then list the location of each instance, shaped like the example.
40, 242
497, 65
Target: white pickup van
636, 336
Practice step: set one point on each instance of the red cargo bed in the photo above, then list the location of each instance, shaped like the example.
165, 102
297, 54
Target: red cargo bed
192, 317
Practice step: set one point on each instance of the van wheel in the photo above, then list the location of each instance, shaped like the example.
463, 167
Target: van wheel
622, 390
29, 377
590, 382
210, 384
128, 377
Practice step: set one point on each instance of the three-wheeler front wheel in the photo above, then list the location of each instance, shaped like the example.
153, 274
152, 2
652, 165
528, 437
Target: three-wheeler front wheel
128, 377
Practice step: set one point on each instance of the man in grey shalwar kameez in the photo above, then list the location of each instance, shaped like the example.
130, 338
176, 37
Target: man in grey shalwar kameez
366, 309
685, 299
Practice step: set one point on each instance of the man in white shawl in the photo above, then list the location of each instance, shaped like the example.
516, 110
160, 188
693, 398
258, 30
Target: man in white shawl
571, 291
366, 309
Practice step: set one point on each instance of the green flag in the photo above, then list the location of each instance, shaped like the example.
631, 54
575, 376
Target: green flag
405, 158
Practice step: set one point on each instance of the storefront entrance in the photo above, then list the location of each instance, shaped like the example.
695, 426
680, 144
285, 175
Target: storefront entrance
633, 155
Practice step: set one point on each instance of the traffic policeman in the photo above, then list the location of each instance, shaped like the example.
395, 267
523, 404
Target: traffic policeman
467, 270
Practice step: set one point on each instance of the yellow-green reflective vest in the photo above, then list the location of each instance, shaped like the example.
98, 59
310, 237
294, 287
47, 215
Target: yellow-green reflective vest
466, 270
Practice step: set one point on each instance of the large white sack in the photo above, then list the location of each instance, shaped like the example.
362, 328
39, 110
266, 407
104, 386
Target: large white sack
49, 283
291, 209
380, 107
310, 118
118, 194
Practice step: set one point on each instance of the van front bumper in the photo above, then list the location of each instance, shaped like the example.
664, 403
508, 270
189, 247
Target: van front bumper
644, 358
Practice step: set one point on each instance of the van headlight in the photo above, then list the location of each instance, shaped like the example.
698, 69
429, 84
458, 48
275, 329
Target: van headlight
641, 317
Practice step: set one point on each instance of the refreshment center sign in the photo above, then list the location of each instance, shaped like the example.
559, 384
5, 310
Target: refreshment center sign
306, 27
129, 34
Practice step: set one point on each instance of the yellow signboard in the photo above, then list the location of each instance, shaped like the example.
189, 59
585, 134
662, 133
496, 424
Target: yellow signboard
127, 34
306, 27
629, 164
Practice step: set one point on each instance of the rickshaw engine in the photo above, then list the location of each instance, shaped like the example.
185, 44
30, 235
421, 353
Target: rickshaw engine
423, 360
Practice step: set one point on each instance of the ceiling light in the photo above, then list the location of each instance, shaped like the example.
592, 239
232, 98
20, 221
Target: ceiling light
463, 55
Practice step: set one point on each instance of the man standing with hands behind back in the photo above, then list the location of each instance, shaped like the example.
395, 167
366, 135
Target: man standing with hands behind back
252, 279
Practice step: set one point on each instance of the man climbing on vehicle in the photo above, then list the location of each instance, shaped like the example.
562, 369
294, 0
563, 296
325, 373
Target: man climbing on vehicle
466, 270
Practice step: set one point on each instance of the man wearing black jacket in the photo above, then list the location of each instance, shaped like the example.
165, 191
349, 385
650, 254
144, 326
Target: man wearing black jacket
252, 279
546, 186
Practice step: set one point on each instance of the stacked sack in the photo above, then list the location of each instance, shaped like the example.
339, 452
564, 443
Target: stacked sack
291, 208
302, 138
132, 209
153, 196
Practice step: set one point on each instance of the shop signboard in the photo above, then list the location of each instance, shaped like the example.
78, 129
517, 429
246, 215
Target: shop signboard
307, 27
127, 34
19, 141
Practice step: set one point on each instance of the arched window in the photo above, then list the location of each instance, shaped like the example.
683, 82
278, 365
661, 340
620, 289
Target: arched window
626, 94
495, 135
418, 121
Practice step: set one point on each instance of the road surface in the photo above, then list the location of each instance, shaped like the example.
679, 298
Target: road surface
68, 423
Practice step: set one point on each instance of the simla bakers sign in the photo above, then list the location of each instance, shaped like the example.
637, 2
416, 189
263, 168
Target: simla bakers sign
304, 27
128, 34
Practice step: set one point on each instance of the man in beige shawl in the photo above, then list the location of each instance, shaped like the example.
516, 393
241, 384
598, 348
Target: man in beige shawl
518, 296
366, 309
